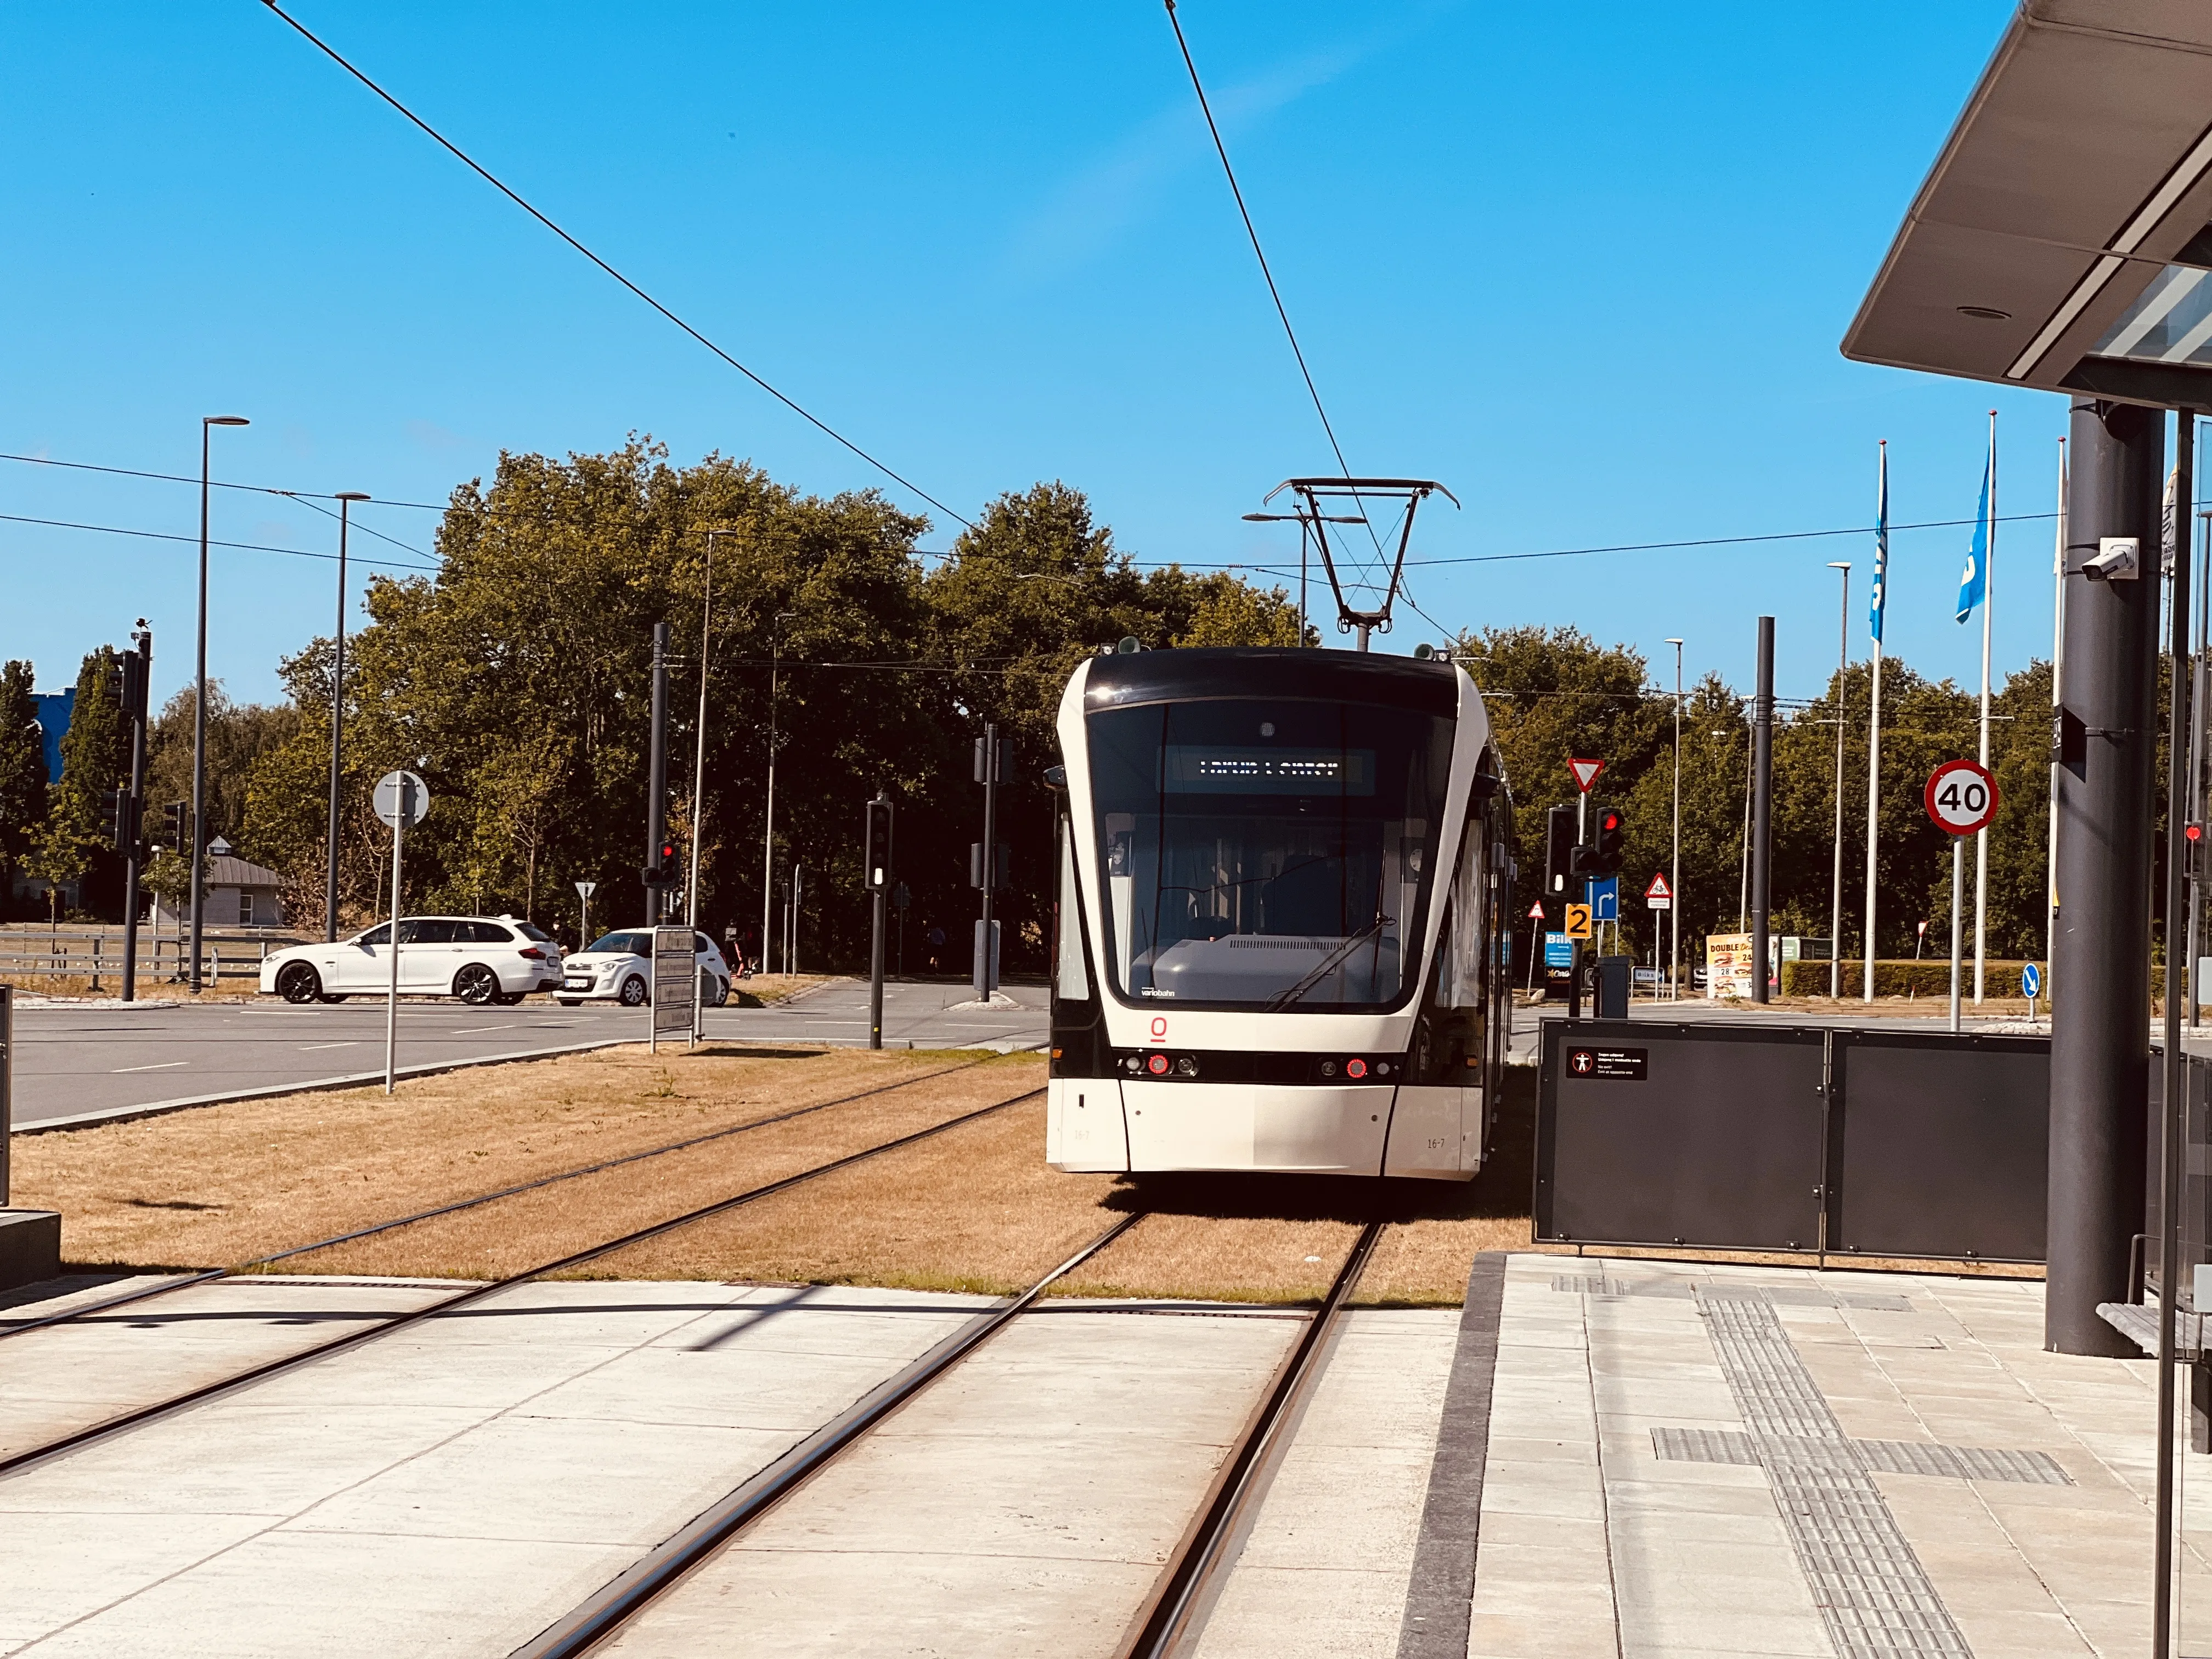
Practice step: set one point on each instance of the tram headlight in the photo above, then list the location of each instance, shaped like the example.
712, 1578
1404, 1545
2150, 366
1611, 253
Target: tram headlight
1187, 1066
1355, 1068
1158, 1065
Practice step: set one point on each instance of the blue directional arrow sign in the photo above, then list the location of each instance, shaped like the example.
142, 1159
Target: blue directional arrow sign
1604, 899
2030, 980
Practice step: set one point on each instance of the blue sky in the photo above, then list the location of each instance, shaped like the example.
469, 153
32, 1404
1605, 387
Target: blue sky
1588, 266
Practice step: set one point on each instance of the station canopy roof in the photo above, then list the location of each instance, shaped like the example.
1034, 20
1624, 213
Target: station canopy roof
2063, 238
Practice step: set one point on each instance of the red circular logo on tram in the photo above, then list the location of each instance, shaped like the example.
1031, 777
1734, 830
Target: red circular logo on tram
1355, 1068
1157, 1066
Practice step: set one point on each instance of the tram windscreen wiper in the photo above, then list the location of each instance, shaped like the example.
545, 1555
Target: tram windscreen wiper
1328, 965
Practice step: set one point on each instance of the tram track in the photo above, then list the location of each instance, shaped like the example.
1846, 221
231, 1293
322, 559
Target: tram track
267, 1371
208, 1275
1173, 1612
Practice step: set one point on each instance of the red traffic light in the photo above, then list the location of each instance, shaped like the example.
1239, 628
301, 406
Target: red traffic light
1607, 821
2194, 831
668, 852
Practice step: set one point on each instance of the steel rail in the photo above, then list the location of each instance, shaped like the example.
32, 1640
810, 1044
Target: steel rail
604, 1613
1174, 1611
129, 1298
142, 1415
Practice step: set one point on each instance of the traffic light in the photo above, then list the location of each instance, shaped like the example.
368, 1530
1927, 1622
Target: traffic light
121, 820
875, 867
1005, 757
1560, 849
173, 817
130, 684
999, 865
665, 870
1603, 855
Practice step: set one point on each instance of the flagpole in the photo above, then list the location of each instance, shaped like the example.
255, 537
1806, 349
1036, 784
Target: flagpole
1988, 609
1836, 892
2057, 692
1874, 725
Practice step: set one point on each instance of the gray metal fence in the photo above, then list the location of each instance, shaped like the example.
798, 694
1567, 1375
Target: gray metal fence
1825, 1140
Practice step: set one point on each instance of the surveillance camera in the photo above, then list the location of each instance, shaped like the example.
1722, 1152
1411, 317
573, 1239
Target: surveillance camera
2115, 560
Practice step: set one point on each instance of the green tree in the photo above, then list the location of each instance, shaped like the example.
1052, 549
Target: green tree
74, 843
22, 771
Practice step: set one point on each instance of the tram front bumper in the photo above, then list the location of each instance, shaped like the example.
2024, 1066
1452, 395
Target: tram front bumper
1108, 1124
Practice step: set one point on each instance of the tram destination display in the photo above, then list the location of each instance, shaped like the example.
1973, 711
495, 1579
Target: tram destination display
1216, 769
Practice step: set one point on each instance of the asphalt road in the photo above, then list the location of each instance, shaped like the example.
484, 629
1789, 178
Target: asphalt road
72, 1061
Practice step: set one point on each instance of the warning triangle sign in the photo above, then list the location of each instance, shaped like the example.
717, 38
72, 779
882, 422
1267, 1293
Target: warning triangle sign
1535, 912
1585, 772
1659, 889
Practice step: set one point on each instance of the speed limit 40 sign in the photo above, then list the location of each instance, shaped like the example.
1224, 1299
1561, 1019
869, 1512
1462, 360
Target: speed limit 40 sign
1961, 798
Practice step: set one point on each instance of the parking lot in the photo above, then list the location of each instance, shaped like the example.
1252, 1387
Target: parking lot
87, 1061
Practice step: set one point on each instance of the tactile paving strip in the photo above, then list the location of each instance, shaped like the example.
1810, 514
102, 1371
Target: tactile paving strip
1795, 1296
1872, 1591
1888, 1456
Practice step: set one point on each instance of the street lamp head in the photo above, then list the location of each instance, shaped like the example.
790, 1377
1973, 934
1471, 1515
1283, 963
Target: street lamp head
351, 495
224, 420
1839, 565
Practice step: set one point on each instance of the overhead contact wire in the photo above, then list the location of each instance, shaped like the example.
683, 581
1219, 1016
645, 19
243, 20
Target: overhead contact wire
1260, 254
484, 173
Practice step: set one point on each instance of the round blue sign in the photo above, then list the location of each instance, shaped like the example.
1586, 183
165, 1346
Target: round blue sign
2030, 980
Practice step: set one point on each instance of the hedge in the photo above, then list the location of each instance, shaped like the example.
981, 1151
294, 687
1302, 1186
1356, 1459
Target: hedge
1897, 979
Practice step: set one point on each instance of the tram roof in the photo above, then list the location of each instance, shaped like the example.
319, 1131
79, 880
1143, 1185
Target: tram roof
2062, 240
1281, 672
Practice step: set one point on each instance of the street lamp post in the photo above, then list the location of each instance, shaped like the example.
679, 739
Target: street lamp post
346, 499
199, 699
1675, 875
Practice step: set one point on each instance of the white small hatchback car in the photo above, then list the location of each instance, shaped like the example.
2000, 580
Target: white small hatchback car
477, 958
618, 968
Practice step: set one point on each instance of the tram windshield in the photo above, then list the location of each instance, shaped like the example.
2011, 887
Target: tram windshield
1268, 854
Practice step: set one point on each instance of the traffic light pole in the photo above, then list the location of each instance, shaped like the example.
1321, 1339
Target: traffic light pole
879, 878
135, 689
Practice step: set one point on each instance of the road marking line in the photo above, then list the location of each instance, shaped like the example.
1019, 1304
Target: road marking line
478, 1031
311, 1046
164, 1065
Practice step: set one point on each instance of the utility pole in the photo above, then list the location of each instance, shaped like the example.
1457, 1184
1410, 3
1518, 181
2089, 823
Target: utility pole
767, 831
699, 760
346, 499
992, 757
137, 670
656, 786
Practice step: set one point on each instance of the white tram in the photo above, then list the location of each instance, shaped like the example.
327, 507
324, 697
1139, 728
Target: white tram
1281, 943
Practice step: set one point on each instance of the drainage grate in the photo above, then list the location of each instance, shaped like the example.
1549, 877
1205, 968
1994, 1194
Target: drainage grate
1871, 1590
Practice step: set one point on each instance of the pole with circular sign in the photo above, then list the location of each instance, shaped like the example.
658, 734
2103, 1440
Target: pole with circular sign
1961, 799
401, 800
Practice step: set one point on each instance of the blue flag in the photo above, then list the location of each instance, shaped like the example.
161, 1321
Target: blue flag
1974, 580
1880, 549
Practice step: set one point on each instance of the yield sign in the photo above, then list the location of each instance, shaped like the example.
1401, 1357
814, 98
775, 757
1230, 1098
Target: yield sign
1658, 888
1585, 772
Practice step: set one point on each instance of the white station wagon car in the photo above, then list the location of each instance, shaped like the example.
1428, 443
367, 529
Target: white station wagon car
618, 968
477, 958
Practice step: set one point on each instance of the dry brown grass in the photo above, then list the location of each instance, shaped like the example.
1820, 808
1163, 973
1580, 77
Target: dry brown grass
974, 1209
220, 1184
